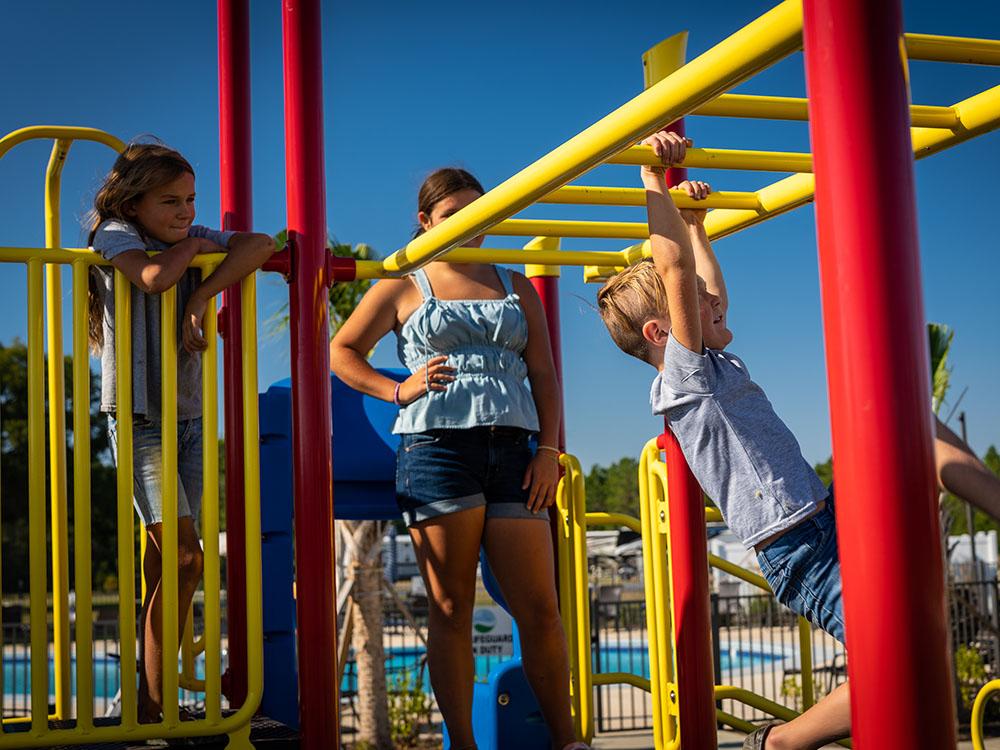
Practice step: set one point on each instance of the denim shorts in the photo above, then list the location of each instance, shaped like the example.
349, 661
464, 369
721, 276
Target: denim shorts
147, 471
803, 568
446, 471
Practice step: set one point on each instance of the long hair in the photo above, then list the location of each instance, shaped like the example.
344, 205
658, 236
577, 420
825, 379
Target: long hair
439, 185
141, 167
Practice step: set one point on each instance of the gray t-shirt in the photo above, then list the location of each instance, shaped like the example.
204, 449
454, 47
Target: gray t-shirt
742, 454
112, 238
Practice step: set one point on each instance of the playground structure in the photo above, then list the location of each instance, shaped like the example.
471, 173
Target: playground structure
881, 431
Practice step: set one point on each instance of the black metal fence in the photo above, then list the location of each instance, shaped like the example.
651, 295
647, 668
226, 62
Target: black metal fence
756, 643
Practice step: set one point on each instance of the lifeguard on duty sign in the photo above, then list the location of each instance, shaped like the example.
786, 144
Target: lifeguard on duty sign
492, 632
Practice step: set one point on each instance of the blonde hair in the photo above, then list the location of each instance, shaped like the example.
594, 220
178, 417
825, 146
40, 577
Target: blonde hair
141, 167
629, 299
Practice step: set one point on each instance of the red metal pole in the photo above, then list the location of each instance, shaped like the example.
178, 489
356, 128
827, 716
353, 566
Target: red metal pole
312, 420
548, 292
692, 620
877, 362
236, 192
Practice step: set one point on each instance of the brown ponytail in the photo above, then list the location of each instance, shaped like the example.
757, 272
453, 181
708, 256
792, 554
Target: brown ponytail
439, 185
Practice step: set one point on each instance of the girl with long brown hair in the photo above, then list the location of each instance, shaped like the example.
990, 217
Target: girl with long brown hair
147, 204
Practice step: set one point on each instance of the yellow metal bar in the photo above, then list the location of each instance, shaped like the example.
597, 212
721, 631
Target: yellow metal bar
513, 256
555, 228
36, 504
126, 526
756, 46
168, 550
567, 589
581, 582
717, 158
621, 678
978, 709
210, 518
85, 255
713, 515
614, 519
649, 453
977, 115
806, 663
737, 572
549, 244
57, 437
34, 132
81, 503
619, 196
660, 522
953, 49
797, 109
251, 480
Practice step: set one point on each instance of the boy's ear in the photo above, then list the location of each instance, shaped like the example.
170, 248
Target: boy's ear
655, 333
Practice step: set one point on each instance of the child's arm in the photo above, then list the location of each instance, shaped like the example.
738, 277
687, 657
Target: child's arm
247, 253
670, 241
704, 257
157, 273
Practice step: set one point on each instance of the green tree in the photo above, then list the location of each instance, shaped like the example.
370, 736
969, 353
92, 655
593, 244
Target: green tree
614, 489
14, 472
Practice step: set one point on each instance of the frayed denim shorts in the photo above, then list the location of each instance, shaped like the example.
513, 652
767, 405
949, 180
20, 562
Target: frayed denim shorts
803, 568
446, 471
147, 467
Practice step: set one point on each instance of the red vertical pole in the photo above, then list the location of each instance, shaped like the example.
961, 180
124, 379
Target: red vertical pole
692, 621
877, 363
548, 292
312, 420
688, 540
236, 192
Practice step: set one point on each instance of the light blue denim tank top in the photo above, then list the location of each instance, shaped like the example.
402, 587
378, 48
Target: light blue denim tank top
483, 340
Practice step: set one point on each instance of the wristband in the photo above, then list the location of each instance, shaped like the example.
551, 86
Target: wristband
550, 448
395, 395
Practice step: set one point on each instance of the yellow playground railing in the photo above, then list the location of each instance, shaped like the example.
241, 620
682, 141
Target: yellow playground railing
73, 718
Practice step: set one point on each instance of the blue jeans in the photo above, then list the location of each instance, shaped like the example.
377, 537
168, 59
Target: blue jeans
147, 466
447, 471
803, 568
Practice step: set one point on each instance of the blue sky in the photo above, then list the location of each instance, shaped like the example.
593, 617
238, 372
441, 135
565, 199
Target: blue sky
492, 86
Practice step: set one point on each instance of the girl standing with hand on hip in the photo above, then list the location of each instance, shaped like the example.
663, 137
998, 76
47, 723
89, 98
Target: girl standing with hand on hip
466, 476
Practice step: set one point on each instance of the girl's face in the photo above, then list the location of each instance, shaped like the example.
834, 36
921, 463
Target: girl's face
448, 206
167, 212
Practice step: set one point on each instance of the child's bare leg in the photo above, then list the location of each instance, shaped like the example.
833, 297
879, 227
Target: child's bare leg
827, 721
189, 563
961, 473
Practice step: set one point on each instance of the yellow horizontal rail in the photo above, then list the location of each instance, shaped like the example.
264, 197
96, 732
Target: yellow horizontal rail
717, 158
739, 572
621, 678
86, 256
977, 115
618, 196
560, 228
797, 109
60, 132
597, 518
768, 39
954, 49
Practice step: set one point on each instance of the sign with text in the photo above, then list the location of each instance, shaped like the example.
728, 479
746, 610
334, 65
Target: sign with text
492, 632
